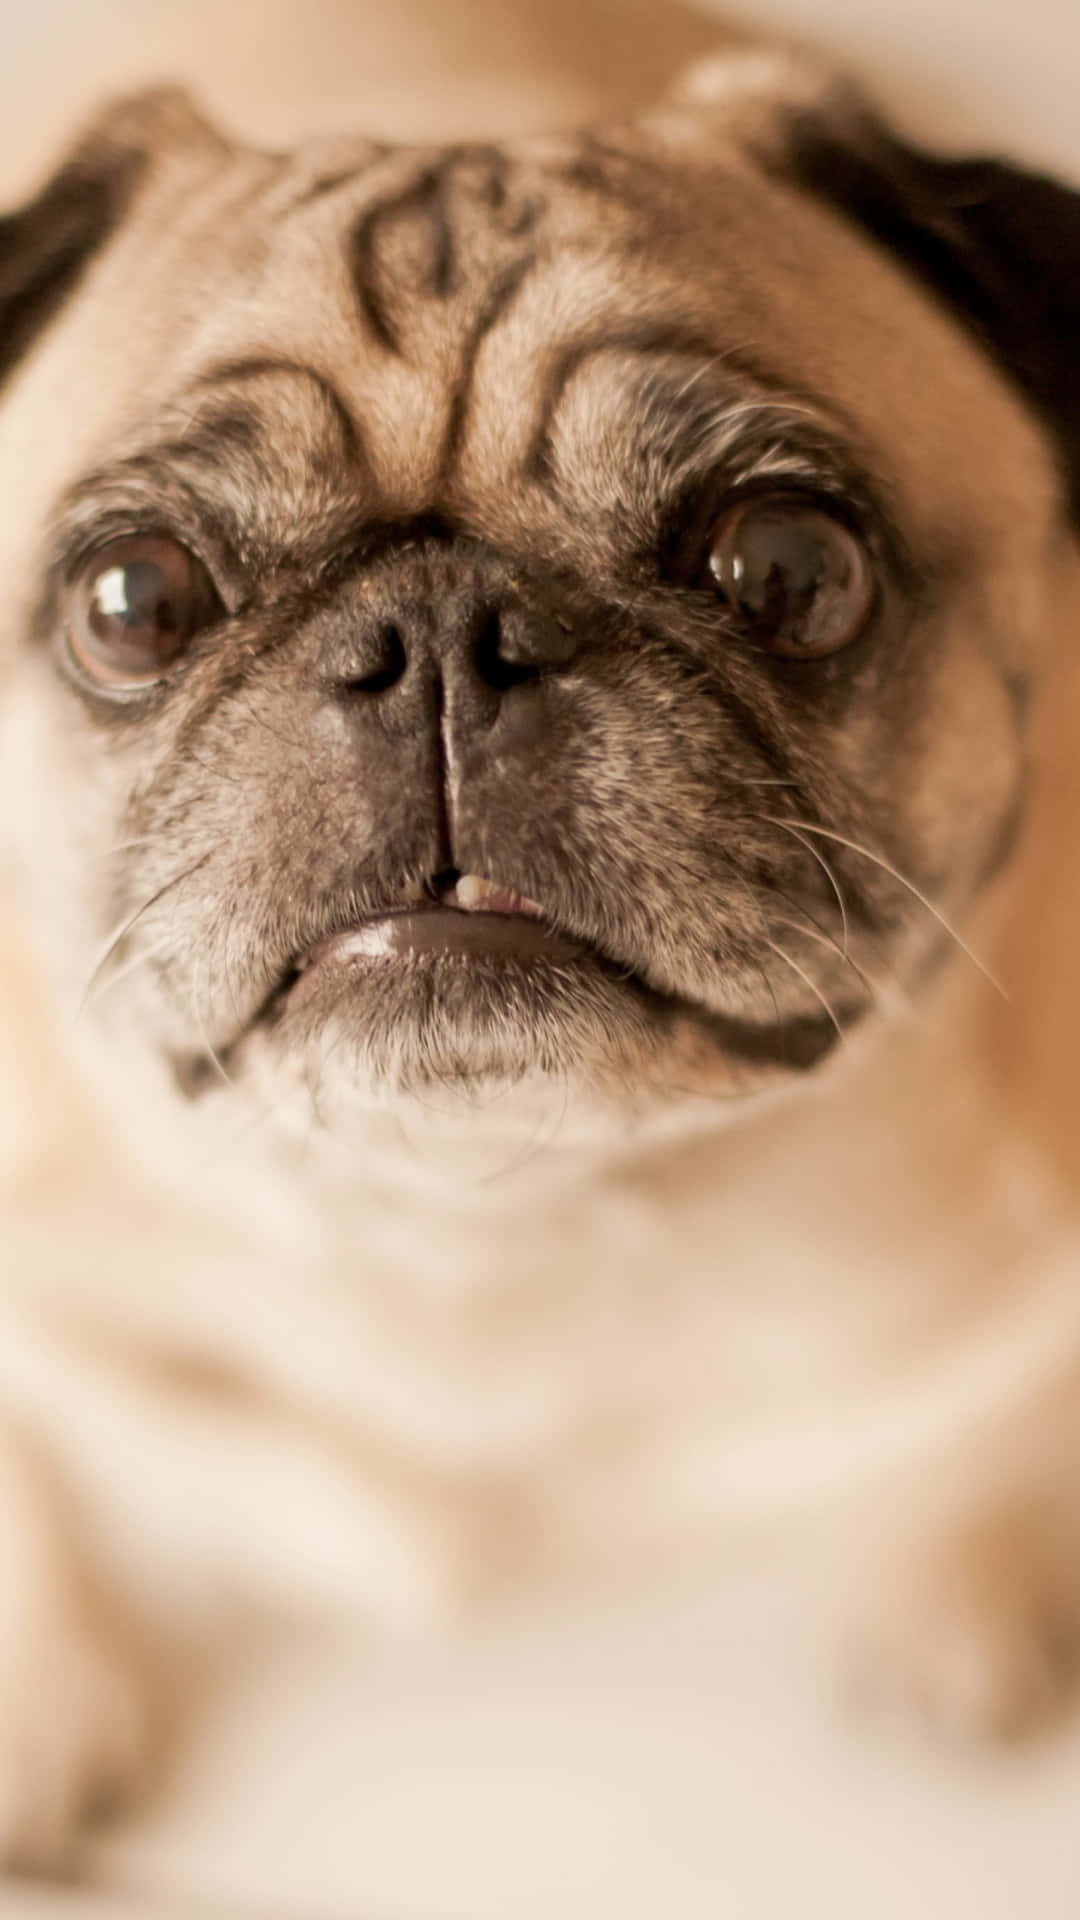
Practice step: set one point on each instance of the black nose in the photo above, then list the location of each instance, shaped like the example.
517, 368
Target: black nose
497, 646
432, 618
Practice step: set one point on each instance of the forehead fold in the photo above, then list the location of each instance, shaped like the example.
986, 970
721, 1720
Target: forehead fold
445, 293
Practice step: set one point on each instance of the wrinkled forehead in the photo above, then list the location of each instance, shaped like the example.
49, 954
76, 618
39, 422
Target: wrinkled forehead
514, 337
452, 305
467, 309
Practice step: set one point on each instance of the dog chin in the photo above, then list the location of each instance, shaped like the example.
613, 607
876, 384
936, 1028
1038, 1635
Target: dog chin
448, 1074
378, 1034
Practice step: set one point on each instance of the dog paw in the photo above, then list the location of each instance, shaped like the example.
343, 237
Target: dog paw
977, 1637
73, 1731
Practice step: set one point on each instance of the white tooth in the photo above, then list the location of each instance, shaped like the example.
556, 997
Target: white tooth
471, 890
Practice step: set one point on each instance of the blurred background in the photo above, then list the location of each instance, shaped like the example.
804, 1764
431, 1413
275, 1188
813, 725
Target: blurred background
680, 1753
993, 71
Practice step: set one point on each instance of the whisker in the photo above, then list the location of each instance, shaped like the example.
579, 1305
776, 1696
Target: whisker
129, 967
825, 868
823, 939
215, 772
782, 954
878, 860
132, 921
223, 928
736, 780
887, 982
761, 969
129, 846
259, 720
542, 1138
200, 1021
265, 1112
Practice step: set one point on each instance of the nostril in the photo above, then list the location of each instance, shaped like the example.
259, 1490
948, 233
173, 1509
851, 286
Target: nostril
513, 644
497, 660
389, 660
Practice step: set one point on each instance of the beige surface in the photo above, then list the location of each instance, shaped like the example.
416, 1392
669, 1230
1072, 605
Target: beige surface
684, 1759
674, 1757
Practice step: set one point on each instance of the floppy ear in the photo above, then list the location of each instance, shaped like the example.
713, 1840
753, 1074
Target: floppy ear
46, 246
1000, 245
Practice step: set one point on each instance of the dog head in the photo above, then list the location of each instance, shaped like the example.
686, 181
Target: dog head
560, 610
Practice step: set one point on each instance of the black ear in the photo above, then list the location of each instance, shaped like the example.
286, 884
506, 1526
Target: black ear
46, 246
1000, 245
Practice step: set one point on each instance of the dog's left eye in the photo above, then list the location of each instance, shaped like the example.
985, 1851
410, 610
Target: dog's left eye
133, 608
799, 579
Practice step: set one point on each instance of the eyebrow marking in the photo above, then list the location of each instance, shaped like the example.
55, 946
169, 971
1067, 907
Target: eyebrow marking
228, 427
236, 372
648, 338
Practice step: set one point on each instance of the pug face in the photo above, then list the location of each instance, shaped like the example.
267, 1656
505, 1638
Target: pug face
562, 610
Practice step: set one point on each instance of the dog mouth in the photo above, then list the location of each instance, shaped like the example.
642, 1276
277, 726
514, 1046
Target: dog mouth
453, 934
470, 931
459, 921
463, 915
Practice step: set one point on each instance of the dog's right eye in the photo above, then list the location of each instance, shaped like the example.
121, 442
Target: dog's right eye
133, 607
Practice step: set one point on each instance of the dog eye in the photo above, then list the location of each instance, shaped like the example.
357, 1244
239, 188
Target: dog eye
801, 581
134, 607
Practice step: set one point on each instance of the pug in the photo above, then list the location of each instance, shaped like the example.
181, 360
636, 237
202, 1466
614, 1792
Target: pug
536, 814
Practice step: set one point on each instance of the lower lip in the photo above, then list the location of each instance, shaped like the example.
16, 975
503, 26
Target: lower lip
406, 936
